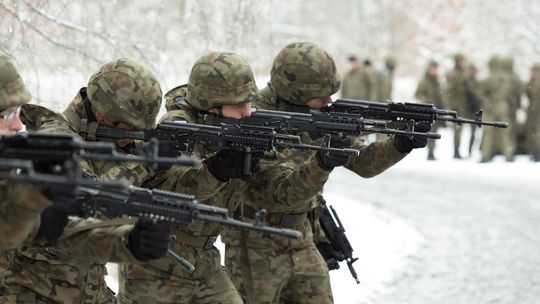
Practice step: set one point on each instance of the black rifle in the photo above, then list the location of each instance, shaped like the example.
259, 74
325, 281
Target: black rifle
340, 244
318, 124
65, 151
185, 136
405, 112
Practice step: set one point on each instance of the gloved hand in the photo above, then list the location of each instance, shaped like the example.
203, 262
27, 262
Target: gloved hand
330, 256
405, 144
330, 161
53, 221
227, 164
149, 240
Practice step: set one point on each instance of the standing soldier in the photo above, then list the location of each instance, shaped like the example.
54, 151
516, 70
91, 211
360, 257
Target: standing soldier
496, 89
385, 80
474, 98
360, 83
456, 96
429, 91
20, 204
72, 270
279, 270
513, 98
532, 125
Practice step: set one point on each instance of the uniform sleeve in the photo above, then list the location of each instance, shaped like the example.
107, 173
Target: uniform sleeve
289, 182
96, 244
196, 181
374, 158
20, 211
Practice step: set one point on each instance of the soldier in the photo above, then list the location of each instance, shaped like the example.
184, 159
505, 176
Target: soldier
496, 89
513, 98
385, 79
532, 125
456, 96
72, 269
475, 100
429, 91
220, 84
20, 204
275, 270
359, 83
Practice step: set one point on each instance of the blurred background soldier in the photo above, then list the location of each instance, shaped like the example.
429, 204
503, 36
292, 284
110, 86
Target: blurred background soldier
513, 99
20, 204
474, 98
456, 96
496, 89
359, 83
532, 125
385, 78
429, 91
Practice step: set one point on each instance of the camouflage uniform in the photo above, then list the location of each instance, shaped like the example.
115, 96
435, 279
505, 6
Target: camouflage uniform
517, 88
359, 83
277, 269
532, 125
20, 204
456, 96
429, 91
210, 283
496, 89
385, 79
475, 98
72, 269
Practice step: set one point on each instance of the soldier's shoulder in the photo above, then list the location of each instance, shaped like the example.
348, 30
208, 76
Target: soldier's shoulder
34, 116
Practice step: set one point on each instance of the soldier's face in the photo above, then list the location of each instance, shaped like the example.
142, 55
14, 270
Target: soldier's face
120, 143
10, 122
236, 111
317, 103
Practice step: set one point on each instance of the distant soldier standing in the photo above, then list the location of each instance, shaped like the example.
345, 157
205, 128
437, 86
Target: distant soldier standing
475, 100
513, 98
456, 97
361, 82
496, 89
429, 91
532, 125
385, 79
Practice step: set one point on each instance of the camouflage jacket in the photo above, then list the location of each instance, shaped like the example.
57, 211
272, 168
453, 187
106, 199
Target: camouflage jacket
358, 84
456, 94
429, 91
373, 159
495, 89
72, 269
20, 207
385, 80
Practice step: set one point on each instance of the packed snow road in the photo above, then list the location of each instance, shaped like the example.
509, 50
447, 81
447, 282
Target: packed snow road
441, 232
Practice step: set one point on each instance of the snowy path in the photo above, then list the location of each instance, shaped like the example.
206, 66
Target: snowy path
471, 233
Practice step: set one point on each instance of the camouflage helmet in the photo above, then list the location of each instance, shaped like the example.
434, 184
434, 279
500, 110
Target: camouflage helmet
125, 91
13, 92
302, 71
218, 79
390, 63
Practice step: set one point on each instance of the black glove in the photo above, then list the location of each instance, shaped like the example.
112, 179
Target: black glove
227, 164
330, 161
330, 256
405, 144
149, 240
53, 221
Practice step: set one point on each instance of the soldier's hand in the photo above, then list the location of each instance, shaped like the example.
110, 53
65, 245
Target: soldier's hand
329, 161
330, 256
53, 221
148, 240
405, 144
227, 164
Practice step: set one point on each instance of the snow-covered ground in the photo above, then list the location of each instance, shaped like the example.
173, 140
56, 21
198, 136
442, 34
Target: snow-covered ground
449, 231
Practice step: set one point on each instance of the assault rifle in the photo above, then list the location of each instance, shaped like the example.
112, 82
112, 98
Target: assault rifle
405, 112
318, 124
185, 136
63, 152
340, 244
